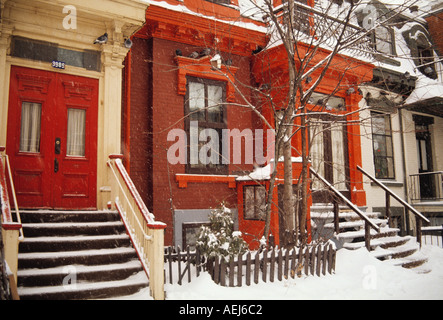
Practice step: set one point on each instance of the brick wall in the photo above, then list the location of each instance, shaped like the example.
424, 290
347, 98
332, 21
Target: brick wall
434, 26
137, 153
156, 108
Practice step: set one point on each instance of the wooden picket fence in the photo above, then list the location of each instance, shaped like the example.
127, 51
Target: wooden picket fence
273, 264
180, 263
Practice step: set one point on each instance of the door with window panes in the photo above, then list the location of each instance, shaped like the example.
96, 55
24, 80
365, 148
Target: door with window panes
329, 157
52, 139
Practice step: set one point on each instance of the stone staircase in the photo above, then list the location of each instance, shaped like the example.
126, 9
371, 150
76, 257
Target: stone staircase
77, 255
386, 245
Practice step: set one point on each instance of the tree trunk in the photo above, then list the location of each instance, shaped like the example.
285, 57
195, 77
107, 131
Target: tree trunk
304, 179
288, 192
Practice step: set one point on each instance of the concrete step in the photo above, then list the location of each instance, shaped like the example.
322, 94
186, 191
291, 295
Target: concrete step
60, 275
86, 290
48, 216
72, 243
72, 228
80, 257
76, 255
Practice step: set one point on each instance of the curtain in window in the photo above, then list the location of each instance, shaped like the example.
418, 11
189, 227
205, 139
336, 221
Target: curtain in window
30, 127
338, 157
75, 144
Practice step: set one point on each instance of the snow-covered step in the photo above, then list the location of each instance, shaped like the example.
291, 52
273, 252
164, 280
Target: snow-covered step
344, 214
384, 232
72, 228
84, 257
61, 274
357, 224
86, 290
77, 255
384, 242
44, 244
385, 245
396, 252
405, 256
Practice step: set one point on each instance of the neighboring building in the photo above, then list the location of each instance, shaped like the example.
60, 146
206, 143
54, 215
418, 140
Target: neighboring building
403, 123
61, 97
169, 81
191, 67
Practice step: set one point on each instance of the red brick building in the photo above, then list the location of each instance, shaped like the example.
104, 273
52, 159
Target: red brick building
434, 25
155, 98
169, 83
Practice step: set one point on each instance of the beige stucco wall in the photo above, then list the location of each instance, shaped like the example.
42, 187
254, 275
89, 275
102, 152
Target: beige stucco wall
405, 157
43, 20
375, 196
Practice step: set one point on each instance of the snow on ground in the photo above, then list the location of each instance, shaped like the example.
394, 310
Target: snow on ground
358, 276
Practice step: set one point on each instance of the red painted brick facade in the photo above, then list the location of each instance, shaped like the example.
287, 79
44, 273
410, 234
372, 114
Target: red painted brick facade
434, 25
155, 109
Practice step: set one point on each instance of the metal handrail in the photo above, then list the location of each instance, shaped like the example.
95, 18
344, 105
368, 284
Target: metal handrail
425, 173
407, 206
403, 202
368, 222
347, 201
434, 181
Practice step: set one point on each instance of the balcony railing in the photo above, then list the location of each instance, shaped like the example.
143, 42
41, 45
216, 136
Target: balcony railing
313, 25
426, 186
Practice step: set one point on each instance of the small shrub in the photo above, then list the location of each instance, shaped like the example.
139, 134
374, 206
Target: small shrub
219, 239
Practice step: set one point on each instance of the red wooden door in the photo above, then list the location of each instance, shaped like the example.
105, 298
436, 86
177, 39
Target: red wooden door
52, 139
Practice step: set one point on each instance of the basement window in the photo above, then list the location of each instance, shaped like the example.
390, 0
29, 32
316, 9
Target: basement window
254, 202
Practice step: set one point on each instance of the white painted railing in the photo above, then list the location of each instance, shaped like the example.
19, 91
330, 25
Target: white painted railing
147, 235
8, 221
12, 228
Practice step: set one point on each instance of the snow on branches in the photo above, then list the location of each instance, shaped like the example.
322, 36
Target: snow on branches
219, 238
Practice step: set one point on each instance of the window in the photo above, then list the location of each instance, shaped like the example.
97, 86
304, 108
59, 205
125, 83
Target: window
382, 146
76, 132
205, 120
30, 127
254, 202
383, 40
191, 231
425, 61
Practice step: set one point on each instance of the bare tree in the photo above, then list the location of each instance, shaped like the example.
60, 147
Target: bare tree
312, 36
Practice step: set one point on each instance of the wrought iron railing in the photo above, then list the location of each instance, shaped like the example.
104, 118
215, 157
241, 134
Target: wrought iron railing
426, 186
312, 24
340, 197
419, 218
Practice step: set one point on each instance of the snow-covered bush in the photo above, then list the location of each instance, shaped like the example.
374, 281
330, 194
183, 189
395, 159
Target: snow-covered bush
219, 238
